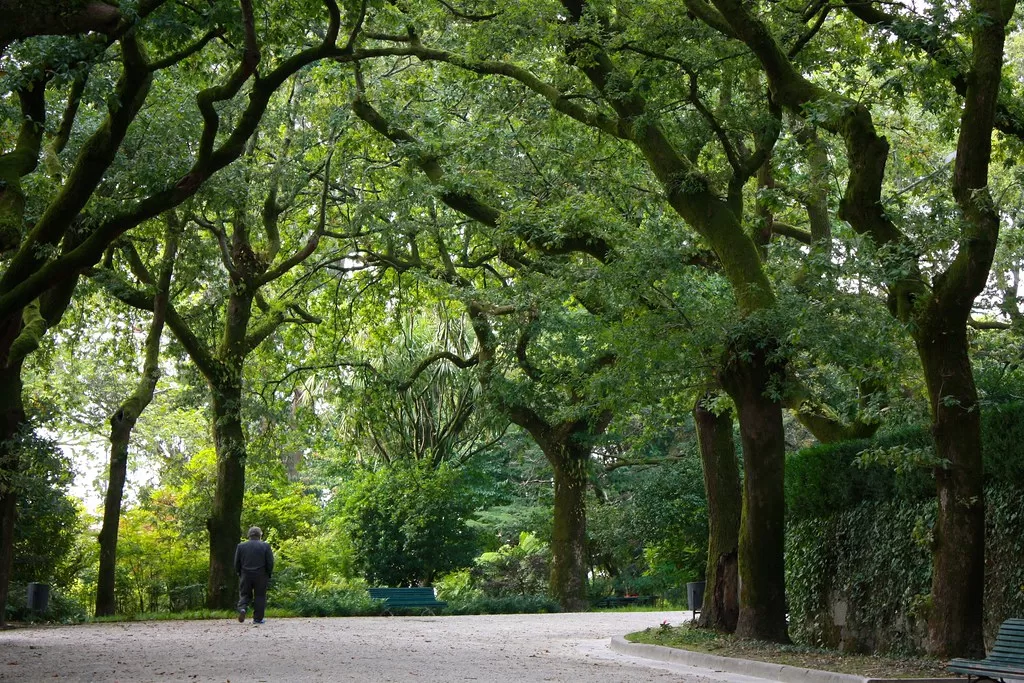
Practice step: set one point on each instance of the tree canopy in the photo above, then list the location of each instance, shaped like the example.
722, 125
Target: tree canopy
417, 262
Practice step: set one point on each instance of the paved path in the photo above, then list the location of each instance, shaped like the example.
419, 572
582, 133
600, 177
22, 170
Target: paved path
535, 647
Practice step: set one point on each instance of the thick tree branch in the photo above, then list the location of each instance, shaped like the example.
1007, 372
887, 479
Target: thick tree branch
53, 17
467, 16
314, 240
17, 289
1009, 115
227, 90
19, 162
822, 8
989, 324
791, 231
867, 151
121, 290
558, 100
95, 157
426, 363
60, 140
465, 202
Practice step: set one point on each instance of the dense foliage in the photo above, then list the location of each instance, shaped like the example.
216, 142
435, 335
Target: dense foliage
860, 538
428, 291
894, 465
859, 579
407, 523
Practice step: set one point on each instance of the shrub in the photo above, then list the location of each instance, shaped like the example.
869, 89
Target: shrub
834, 566
509, 604
49, 520
60, 608
823, 479
313, 560
859, 536
457, 587
1002, 433
407, 524
338, 601
521, 569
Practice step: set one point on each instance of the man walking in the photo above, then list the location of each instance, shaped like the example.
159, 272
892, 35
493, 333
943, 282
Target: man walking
254, 563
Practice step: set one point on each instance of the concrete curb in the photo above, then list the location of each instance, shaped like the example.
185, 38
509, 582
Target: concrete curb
749, 667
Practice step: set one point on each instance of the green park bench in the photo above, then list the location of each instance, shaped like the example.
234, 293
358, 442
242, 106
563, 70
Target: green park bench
417, 599
625, 601
1004, 662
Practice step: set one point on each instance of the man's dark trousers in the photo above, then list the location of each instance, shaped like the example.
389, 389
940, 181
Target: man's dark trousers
253, 588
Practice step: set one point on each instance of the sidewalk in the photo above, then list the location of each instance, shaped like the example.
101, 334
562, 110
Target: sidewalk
750, 668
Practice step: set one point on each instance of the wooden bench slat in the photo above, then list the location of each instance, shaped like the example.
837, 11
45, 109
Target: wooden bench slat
1006, 660
1004, 656
623, 600
987, 670
416, 597
985, 666
1011, 635
1012, 646
1002, 645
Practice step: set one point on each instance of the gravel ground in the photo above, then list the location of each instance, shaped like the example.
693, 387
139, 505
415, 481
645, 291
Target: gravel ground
532, 647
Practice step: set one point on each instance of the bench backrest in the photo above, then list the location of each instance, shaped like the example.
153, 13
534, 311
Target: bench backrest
404, 595
1009, 645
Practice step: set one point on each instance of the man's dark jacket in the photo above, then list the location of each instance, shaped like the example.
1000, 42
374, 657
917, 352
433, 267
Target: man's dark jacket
254, 557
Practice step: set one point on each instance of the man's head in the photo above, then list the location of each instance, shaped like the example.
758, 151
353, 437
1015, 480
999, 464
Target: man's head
255, 532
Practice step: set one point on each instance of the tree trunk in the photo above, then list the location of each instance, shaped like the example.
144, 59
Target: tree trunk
225, 521
958, 554
12, 421
20, 334
569, 536
722, 486
123, 421
121, 425
746, 377
120, 433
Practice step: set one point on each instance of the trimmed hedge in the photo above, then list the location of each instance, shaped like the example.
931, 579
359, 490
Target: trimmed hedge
824, 479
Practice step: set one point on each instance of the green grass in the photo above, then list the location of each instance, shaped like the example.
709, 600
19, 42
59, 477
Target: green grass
873, 666
188, 615
638, 608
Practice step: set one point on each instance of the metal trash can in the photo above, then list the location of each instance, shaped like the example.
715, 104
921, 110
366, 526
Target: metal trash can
38, 597
695, 595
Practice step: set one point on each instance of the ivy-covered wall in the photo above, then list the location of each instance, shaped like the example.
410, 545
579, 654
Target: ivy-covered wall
858, 561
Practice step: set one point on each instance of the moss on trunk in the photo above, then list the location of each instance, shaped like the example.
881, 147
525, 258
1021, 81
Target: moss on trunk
225, 521
958, 566
569, 535
722, 487
747, 377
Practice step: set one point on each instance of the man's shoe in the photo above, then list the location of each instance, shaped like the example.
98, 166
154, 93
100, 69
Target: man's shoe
258, 621
241, 616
